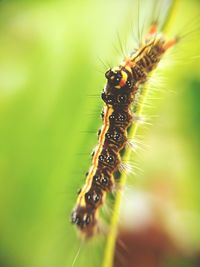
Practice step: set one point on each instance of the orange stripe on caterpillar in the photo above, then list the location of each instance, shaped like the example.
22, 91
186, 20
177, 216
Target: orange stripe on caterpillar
107, 112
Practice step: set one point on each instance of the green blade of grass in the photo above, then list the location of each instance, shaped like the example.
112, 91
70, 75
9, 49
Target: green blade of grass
110, 245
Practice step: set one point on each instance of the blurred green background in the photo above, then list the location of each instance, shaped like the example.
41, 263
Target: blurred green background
50, 81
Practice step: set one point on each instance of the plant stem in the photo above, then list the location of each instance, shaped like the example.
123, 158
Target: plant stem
110, 245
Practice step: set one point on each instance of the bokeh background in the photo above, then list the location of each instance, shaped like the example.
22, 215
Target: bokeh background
51, 76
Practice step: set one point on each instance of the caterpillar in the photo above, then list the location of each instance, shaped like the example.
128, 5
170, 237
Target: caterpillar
118, 95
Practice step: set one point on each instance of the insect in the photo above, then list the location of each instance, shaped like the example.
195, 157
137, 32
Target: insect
119, 94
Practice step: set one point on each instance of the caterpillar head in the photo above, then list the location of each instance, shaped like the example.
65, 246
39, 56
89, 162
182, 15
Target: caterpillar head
85, 220
119, 77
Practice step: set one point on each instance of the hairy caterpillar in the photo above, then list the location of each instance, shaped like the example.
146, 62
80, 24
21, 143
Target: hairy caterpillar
123, 83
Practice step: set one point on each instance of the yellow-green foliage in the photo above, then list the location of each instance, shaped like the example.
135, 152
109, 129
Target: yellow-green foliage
50, 82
